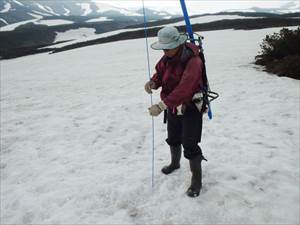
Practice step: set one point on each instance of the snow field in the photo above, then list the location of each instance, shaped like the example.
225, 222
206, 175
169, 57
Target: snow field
81, 35
76, 140
37, 21
74, 34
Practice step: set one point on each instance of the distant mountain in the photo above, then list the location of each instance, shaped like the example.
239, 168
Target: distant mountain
285, 8
288, 7
31, 38
14, 11
28, 25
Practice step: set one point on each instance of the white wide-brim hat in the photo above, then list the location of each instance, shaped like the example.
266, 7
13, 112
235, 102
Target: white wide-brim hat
168, 38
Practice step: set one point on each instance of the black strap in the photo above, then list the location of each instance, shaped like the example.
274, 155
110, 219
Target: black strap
165, 115
204, 75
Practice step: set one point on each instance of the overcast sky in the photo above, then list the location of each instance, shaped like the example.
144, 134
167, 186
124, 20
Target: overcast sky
202, 6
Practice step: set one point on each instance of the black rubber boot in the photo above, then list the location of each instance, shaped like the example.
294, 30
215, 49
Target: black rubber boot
196, 182
175, 160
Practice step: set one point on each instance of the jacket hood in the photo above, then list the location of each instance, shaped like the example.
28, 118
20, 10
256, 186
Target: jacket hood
193, 47
189, 50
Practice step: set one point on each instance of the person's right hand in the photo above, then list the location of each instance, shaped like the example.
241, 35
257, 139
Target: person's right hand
149, 86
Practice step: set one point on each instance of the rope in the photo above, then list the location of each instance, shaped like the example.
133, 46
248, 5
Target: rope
151, 99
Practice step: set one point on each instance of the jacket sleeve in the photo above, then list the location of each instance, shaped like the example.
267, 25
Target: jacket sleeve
190, 82
159, 70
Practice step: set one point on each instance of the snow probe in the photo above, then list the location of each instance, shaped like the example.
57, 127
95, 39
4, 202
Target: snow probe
151, 99
207, 94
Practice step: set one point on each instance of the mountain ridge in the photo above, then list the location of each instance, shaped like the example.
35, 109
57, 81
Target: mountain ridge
14, 11
32, 44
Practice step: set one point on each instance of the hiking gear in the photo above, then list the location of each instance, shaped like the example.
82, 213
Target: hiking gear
175, 160
168, 38
205, 88
148, 86
180, 76
165, 115
196, 180
187, 19
185, 130
151, 99
156, 109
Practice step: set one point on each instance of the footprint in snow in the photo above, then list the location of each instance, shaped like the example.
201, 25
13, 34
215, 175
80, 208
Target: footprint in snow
109, 129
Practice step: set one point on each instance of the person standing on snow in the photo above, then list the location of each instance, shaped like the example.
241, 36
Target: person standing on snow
179, 74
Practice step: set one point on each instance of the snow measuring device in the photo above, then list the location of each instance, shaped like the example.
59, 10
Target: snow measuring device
208, 95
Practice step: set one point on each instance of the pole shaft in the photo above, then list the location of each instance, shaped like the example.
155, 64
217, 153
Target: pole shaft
187, 21
151, 98
191, 36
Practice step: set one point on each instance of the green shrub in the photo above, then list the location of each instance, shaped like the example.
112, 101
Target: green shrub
281, 53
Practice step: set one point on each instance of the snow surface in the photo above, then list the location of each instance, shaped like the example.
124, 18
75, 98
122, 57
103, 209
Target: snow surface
36, 16
42, 13
86, 7
53, 22
107, 7
19, 3
74, 34
92, 37
76, 140
6, 8
47, 9
100, 19
13, 26
4, 21
208, 19
201, 19
38, 20
67, 12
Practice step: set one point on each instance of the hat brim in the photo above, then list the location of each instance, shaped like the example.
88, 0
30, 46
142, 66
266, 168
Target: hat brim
160, 46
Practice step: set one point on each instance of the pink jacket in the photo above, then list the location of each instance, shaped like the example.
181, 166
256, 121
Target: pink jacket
180, 77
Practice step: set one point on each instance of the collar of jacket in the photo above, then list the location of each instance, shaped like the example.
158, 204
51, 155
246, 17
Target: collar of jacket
185, 52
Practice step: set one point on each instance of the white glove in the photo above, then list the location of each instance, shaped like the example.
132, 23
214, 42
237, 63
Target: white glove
198, 100
156, 109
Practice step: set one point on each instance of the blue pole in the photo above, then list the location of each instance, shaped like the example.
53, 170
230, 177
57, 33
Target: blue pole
187, 21
191, 36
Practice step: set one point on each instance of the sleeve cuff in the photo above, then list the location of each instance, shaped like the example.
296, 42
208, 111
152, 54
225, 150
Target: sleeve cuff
162, 105
153, 84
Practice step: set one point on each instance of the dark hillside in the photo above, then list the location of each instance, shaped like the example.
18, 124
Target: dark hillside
246, 24
28, 39
245, 14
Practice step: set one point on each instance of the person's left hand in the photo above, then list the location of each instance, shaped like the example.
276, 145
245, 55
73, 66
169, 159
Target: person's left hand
156, 109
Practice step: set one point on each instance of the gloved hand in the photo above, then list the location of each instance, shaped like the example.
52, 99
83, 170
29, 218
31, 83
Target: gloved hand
198, 100
149, 85
156, 109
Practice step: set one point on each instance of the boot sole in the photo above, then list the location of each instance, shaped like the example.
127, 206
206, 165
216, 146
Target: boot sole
166, 173
192, 193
